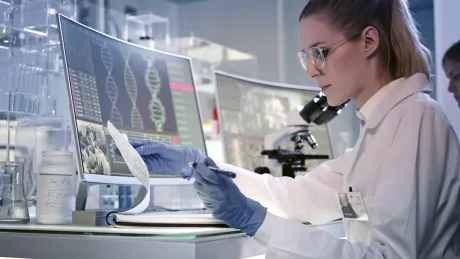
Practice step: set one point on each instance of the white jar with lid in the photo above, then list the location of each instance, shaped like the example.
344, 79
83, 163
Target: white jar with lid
56, 188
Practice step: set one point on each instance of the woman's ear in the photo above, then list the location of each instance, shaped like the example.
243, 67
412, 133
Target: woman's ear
370, 36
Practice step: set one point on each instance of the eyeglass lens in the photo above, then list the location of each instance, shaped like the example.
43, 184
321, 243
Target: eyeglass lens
315, 55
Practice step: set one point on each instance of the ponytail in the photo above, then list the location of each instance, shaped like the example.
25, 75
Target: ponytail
409, 55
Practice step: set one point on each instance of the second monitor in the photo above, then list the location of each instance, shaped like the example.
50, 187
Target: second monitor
251, 109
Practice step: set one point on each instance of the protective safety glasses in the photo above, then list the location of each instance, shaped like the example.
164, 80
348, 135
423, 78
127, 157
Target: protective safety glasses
318, 54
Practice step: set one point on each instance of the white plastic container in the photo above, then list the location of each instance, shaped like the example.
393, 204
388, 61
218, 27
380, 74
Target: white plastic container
56, 189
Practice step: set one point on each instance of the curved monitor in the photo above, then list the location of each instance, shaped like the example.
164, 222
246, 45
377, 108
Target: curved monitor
251, 109
146, 94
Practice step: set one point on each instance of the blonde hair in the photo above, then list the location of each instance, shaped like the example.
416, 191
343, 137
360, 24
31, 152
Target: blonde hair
401, 48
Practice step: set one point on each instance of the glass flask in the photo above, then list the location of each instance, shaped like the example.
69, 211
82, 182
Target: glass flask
13, 203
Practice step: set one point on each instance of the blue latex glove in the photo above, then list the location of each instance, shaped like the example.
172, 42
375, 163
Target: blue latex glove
166, 159
223, 198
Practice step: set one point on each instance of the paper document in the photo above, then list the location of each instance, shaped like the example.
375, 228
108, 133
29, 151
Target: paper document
135, 164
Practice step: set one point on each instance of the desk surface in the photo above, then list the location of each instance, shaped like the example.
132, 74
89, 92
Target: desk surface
76, 242
183, 232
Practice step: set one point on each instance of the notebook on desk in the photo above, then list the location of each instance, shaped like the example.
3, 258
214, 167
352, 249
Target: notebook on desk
193, 218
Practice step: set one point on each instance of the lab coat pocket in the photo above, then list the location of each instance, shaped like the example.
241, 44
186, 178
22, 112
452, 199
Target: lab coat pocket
359, 231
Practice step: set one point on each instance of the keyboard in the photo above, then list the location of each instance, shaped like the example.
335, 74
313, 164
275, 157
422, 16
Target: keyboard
187, 217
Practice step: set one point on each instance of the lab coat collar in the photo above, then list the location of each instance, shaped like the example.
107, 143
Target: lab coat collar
405, 88
368, 108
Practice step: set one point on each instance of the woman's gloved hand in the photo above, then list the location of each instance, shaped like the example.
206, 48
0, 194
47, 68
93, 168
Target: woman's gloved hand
166, 159
223, 198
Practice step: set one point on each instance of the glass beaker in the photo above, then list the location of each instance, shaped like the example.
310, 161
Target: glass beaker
13, 203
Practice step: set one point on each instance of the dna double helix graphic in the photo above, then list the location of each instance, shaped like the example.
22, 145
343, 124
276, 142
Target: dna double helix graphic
153, 84
110, 86
131, 88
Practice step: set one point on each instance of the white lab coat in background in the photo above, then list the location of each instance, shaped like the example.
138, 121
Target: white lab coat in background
405, 164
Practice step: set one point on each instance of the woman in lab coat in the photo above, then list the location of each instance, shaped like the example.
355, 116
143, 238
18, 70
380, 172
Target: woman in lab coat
405, 163
451, 64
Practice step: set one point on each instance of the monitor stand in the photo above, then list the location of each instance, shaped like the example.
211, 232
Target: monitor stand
83, 217
82, 195
83, 191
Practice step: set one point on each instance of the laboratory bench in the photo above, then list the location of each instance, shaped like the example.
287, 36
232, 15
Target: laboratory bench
81, 242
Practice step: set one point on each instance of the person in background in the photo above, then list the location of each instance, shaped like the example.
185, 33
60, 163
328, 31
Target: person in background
405, 163
451, 64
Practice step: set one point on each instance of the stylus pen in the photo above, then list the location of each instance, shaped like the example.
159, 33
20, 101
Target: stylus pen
217, 171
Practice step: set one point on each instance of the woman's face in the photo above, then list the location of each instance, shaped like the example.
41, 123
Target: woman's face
452, 70
341, 77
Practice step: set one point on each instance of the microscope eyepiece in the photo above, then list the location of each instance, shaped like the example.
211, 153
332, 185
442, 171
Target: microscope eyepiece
313, 109
318, 111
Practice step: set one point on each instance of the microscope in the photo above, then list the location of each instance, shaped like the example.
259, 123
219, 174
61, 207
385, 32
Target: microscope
318, 112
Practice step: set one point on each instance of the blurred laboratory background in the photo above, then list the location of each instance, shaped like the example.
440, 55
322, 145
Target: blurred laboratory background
255, 39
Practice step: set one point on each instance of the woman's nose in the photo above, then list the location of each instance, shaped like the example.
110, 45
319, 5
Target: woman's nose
312, 71
451, 87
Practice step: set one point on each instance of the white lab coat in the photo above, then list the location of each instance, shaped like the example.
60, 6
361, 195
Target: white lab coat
405, 164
